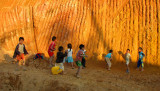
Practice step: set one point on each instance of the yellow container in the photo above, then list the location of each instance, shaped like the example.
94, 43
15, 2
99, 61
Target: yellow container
56, 70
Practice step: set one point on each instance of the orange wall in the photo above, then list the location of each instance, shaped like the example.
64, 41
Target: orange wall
99, 24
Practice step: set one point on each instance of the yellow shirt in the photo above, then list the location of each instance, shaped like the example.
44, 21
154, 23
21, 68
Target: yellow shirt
21, 48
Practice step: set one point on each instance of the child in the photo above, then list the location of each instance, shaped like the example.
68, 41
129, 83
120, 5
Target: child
84, 60
140, 60
69, 56
128, 59
20, 51
51, 49
79, 59
60, 57
108, 58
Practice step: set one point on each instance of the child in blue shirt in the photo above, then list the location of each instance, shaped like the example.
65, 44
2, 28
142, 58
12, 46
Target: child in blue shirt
140, 60
108, 58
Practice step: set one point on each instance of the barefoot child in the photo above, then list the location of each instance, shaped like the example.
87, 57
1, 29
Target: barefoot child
140, 60
51, 50
60, 57
69, 56
19, 53
108, 58
79, 57
128, 59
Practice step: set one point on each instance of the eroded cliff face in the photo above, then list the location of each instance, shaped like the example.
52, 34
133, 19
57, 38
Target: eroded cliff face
99, 24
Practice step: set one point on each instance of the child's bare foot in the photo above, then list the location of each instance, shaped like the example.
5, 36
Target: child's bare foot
72, 67
142, 70
78, 76
137, 69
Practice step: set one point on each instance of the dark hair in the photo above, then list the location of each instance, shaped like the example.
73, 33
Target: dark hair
53, 38
140, 48
21, 38
110, 51
70, 46
60, 48
128, 49
81, 46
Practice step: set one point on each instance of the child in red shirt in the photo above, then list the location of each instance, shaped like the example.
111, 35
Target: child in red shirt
51, 50
79, 57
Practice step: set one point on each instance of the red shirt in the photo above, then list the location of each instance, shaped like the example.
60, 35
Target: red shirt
79, 57
51, 48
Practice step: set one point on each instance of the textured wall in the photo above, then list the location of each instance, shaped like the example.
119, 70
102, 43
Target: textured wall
99, 24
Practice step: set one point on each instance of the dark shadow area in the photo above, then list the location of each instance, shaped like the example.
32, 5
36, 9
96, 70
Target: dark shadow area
122, 54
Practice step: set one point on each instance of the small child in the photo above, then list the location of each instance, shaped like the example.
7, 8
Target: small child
19, 53
108, 58
128, 59
140, 60
79, 57
60, 57
84, 60
69, 56
51, 50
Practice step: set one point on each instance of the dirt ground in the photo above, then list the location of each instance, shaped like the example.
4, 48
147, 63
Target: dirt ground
95, 77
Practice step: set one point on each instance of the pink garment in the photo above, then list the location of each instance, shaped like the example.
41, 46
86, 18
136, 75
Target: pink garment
78, 57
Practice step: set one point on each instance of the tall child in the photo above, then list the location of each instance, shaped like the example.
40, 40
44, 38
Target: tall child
69, 56
60, 57
140, 60
79, 57
51, 50
20, 51
128, 59
108, 59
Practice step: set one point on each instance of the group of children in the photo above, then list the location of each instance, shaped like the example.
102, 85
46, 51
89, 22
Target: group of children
108, 59
66, 56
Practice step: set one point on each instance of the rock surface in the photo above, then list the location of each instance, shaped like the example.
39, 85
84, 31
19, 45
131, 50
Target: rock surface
99, 24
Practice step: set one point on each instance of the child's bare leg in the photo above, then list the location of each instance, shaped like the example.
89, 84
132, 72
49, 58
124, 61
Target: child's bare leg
78, 71
127, 68
51, 61
72, 65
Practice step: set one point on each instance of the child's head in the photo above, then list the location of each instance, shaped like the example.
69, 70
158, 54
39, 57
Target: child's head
70, 45
128, 50
21, 39
81, 47
60, 48
140, 49
110, 51
53, 38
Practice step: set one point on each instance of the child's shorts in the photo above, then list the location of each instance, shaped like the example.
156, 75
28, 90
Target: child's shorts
60, 65
50, 53
20, 57
127, 61
108, 61
69, 59
78, 63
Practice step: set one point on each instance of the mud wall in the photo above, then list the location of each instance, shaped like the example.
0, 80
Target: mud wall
99, 24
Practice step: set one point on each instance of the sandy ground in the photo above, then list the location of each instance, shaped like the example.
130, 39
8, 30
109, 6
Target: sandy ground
94, 78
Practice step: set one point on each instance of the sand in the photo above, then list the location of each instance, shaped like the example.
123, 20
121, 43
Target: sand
95, 77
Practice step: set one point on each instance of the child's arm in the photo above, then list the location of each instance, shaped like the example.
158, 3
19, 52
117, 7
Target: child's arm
17, 51
111, 57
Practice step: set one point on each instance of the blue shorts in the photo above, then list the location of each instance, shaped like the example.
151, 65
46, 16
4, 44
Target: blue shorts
69, 59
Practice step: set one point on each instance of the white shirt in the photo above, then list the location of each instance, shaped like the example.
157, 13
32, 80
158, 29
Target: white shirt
70, 53
21, 48
128, 56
